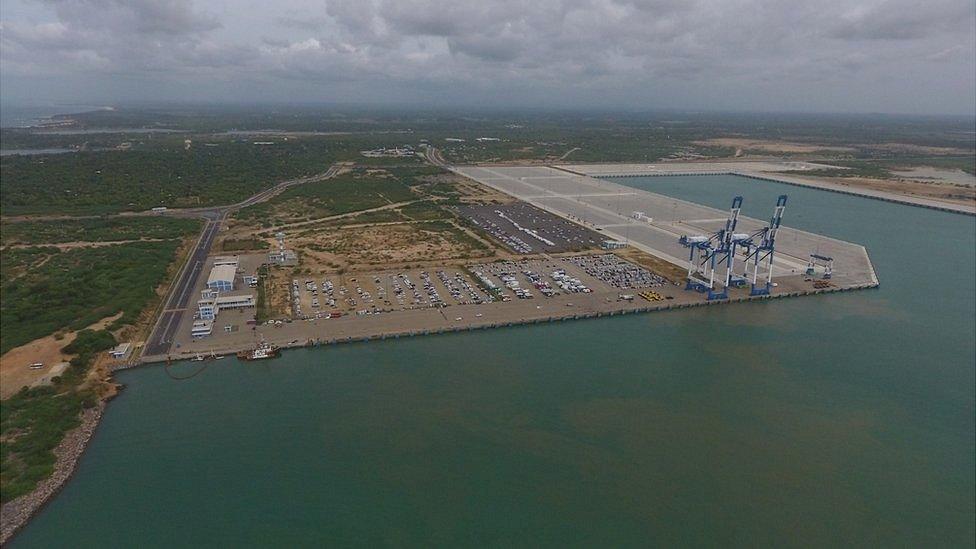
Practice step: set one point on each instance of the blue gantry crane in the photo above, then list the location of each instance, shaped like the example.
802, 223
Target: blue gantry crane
708, 253
759, 249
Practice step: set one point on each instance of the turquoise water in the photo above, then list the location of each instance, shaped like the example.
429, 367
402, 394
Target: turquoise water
841, 419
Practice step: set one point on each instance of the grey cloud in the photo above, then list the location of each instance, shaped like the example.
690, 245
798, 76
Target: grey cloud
172, 17
671, 51
904, 19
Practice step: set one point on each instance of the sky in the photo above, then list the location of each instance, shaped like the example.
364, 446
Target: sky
895, 56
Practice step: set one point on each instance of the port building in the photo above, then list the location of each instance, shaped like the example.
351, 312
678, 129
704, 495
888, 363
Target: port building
222, 277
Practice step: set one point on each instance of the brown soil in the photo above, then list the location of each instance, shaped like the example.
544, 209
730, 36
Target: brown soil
14, 370
941, 191
913, 149
389, 245
769, 145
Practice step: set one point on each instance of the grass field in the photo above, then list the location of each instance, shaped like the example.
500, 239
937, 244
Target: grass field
105, 229
352, 192
75, 288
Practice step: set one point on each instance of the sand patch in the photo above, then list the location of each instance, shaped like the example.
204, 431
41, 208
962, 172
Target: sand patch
769, 145
14, 364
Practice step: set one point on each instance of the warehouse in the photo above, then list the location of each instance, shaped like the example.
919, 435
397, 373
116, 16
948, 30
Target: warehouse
222, 277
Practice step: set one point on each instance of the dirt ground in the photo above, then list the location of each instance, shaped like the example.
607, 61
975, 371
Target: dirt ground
942, 191
769, 145
14, 371
911, 149
393, 244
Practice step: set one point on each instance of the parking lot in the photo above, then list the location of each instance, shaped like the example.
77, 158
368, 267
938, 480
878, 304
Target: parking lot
333, 295
539, 278
525, 229
617, 272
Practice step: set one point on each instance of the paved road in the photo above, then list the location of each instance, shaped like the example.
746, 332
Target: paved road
181, 293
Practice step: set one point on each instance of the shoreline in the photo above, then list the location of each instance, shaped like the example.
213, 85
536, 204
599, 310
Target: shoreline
621, 310
17, 513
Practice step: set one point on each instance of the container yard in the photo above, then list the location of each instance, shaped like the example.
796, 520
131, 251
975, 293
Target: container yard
609, 208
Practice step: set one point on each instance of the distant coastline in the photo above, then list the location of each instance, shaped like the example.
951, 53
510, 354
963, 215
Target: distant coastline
29, 116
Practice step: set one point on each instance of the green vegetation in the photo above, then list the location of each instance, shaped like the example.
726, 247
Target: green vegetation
105, 229
424, 210
16, 261
852, 168
87, 344
347, 193
32, 424
113, 181
263, 308
882, 167
418, 175
78, 287
243, 245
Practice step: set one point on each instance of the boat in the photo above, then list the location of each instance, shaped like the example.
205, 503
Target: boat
262, 351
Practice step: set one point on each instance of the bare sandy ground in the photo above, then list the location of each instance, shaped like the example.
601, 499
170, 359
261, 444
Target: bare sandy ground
921, 193
940, 191
14, 370
936, 175
769, 145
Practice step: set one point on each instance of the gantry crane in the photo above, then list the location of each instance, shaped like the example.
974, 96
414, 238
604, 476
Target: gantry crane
760, 247
708, 253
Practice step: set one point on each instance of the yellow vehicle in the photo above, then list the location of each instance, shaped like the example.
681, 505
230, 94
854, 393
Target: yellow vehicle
651, 296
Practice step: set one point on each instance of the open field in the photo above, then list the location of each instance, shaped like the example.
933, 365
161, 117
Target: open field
394, 243
769, 145
362, 189
49, 350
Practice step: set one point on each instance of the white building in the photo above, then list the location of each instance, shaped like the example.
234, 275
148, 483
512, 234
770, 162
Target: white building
227, 260
201, 328
235, 301
120, 350
222, 277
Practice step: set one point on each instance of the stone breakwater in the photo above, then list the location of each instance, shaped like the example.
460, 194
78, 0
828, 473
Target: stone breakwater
15, 514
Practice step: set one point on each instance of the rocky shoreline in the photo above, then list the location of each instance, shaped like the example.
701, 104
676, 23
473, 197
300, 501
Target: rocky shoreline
15, 514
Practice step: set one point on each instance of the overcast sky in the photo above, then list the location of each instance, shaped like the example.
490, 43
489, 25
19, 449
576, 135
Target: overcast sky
800, 55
